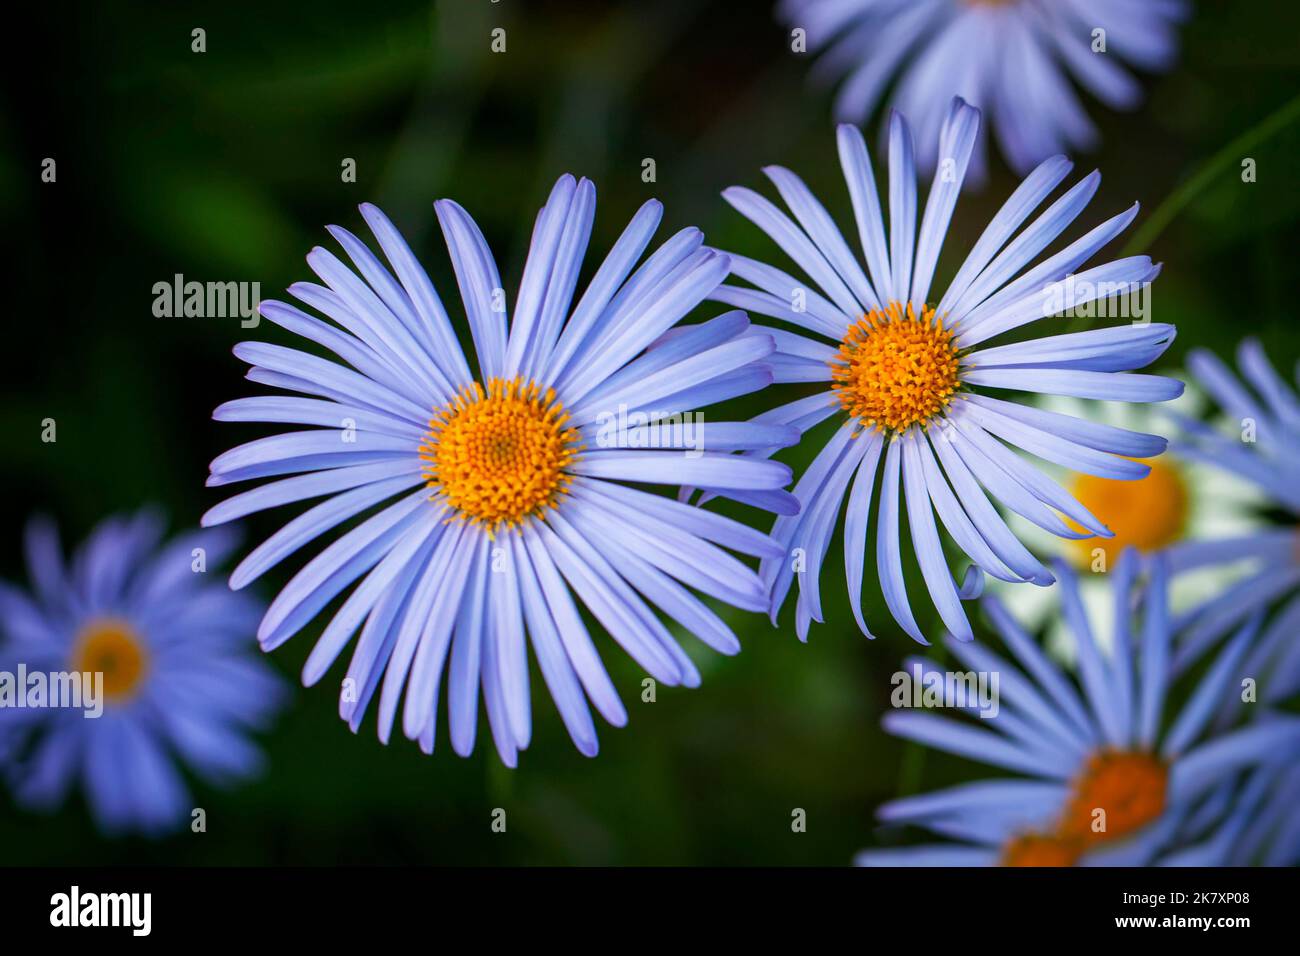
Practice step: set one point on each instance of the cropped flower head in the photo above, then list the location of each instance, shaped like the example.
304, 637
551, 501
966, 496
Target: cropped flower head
1121, 766
1180, 500
1259, 442
499, 500
1263, 824
905, 371
1017, 60
126, 666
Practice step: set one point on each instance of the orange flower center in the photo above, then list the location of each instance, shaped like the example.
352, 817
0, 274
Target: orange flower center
1036, 849
499, 456
1118, 793
895, 369
1149, 514
111, 647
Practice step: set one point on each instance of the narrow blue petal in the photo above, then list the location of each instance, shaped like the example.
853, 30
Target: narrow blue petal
944, 855
674, 468
1154, 675
467, 653
956, 142
335, 568
857, 516
861, 180
902, 203
551, 658
816, 221
965, 740
888, 554
1027, 197
316, 521
480, 285
606, 282
1210, 693
1046, 673
573, 633
424, 298
795, 243
925, 540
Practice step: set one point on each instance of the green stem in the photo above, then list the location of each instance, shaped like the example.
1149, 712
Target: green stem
1181, 197
1184, 194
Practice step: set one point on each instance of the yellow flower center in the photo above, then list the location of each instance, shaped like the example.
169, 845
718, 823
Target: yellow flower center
111, 647
895, 369
1037, 849
1148, 514
1117, 793
499, 456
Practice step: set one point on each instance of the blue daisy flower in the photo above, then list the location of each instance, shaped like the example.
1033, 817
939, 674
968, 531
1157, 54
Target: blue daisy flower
513, 505
1262, 446
906, 369
1012, 58
167, 644
1165, 777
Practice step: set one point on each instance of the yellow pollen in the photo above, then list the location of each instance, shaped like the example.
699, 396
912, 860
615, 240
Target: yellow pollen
499, 456
1128, 786
1148, 514
111, 647
895, 369
1037, 849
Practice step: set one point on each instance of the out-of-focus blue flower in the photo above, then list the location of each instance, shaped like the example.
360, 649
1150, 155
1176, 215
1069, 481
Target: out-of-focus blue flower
513, 507
1110, 773
178, 686
903, 373
1261, 445
1269, 824
1014, 59
1252, 824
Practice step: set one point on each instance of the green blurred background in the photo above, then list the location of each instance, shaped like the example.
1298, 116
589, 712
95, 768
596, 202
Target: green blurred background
226, 165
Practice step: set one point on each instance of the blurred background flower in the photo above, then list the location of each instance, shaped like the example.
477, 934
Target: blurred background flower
1258, 441
1180, 500
181, 684
222, 165
1264, 829
1017, 60
1113, 772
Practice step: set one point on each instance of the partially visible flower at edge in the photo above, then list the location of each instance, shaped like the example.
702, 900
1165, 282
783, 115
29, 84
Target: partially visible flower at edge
1111, 775
1011, 58
1259, 827
1180, 500
1262, 446
179, 688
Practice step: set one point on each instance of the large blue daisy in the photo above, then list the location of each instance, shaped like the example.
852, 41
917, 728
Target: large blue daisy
167, 644
1014, 59
904, 371
1110, 772
1261, 444
512, 505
